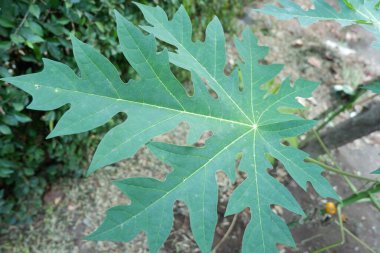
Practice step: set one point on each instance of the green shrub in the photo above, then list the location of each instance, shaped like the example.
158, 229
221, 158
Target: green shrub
31, 30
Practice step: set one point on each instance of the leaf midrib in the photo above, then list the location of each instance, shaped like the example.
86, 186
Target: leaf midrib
109, 151
110, 84
257, 189
149, 105
151, 68
206, 71
179, 184
284, 157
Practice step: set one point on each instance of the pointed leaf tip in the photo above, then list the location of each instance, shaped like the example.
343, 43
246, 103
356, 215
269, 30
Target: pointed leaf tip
118, 15
73, 38
91, 169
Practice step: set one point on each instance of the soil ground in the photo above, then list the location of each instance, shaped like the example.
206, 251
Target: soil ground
322, 52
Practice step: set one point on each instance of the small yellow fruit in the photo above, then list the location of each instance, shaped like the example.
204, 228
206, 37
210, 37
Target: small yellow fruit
330, 208
344, 217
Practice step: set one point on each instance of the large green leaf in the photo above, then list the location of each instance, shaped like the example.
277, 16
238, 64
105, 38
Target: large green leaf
363, 12
244, 122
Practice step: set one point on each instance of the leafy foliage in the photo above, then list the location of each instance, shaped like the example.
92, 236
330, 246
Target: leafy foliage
245, 122
365, 13
30, 30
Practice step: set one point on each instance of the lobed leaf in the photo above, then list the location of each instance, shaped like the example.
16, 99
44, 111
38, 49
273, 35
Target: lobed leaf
243, 121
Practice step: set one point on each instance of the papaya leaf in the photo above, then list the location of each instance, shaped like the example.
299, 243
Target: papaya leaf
243, 121
365, 13
374, 87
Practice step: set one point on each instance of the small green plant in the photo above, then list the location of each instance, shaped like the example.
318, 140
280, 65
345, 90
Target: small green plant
247, 124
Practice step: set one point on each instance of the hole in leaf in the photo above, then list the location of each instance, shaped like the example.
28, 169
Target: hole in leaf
184, 77
202, 140
209, 89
